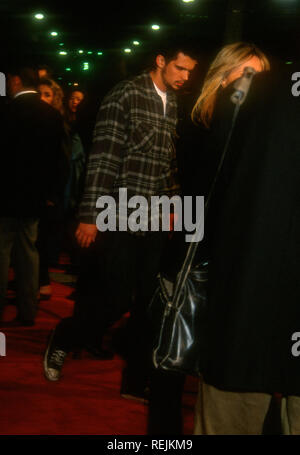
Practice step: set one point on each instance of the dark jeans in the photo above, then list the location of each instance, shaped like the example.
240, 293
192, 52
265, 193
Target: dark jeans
20, 234
117, 274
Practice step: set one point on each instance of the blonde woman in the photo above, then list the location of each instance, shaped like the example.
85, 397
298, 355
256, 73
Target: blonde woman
50, 226
51, 93
253, 298
228, 65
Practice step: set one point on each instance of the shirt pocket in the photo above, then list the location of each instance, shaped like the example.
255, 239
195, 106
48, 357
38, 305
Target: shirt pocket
142, 138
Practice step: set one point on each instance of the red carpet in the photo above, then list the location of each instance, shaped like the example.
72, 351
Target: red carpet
85, 402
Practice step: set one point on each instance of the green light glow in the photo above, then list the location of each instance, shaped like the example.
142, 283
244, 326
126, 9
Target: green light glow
136, 43
53, 33
155, 27
39, 16
63, 53
127, 50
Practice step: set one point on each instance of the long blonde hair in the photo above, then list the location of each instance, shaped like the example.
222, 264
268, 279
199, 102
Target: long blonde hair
228, 59
58, 94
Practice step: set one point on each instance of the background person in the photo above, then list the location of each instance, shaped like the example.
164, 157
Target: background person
254, 258
31, 137
78, 124
52, 93
51, 219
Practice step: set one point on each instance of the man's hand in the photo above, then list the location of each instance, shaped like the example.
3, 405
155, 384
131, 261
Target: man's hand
86, 234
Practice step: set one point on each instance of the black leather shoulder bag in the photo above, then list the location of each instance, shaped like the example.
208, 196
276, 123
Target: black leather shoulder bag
178, 308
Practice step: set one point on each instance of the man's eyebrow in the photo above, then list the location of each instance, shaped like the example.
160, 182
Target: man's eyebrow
182, 68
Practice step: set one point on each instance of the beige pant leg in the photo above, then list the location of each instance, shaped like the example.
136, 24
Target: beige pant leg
229, 413
290, 415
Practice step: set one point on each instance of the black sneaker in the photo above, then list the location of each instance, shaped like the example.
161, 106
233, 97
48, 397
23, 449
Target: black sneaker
53, 360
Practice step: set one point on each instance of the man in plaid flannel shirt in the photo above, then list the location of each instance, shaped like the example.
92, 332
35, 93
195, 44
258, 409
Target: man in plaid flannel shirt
133, 148
133, 144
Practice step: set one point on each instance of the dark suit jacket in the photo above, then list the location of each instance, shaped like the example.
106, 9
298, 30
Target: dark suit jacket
31, 137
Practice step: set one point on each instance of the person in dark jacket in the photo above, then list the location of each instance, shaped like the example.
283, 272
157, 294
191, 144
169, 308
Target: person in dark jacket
51, 219
253, 296
30, 136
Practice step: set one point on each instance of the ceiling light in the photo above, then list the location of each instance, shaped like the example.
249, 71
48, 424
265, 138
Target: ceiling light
39, 16
155, 27
63, 53
53, 33
127, 50
136, 43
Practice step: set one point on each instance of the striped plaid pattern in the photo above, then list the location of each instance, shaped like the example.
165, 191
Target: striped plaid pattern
133, 146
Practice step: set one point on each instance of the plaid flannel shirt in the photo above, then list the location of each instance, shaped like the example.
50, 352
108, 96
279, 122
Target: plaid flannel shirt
133, 146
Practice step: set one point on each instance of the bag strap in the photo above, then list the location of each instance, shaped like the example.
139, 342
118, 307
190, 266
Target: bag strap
185, 269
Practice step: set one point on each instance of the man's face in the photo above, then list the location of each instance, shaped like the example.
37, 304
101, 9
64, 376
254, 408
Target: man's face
43, 73
175, 73
14, 85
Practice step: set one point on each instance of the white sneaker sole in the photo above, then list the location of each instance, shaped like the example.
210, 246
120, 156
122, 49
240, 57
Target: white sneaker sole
46, 369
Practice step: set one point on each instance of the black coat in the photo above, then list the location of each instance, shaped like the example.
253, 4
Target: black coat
254, 237
31, 148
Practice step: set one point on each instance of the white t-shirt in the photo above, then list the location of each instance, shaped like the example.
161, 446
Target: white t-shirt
163, 96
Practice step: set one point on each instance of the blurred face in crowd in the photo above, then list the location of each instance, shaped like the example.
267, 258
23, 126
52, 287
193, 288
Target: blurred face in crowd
174, 73
254, 62
46, 93
14, 85
43, 73
74, 100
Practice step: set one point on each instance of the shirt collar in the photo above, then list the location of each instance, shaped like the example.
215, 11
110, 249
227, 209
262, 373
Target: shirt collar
171, 95
23, 92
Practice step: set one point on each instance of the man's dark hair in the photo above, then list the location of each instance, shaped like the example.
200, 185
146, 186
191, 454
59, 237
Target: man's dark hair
170, 47
28, 76
171, 52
